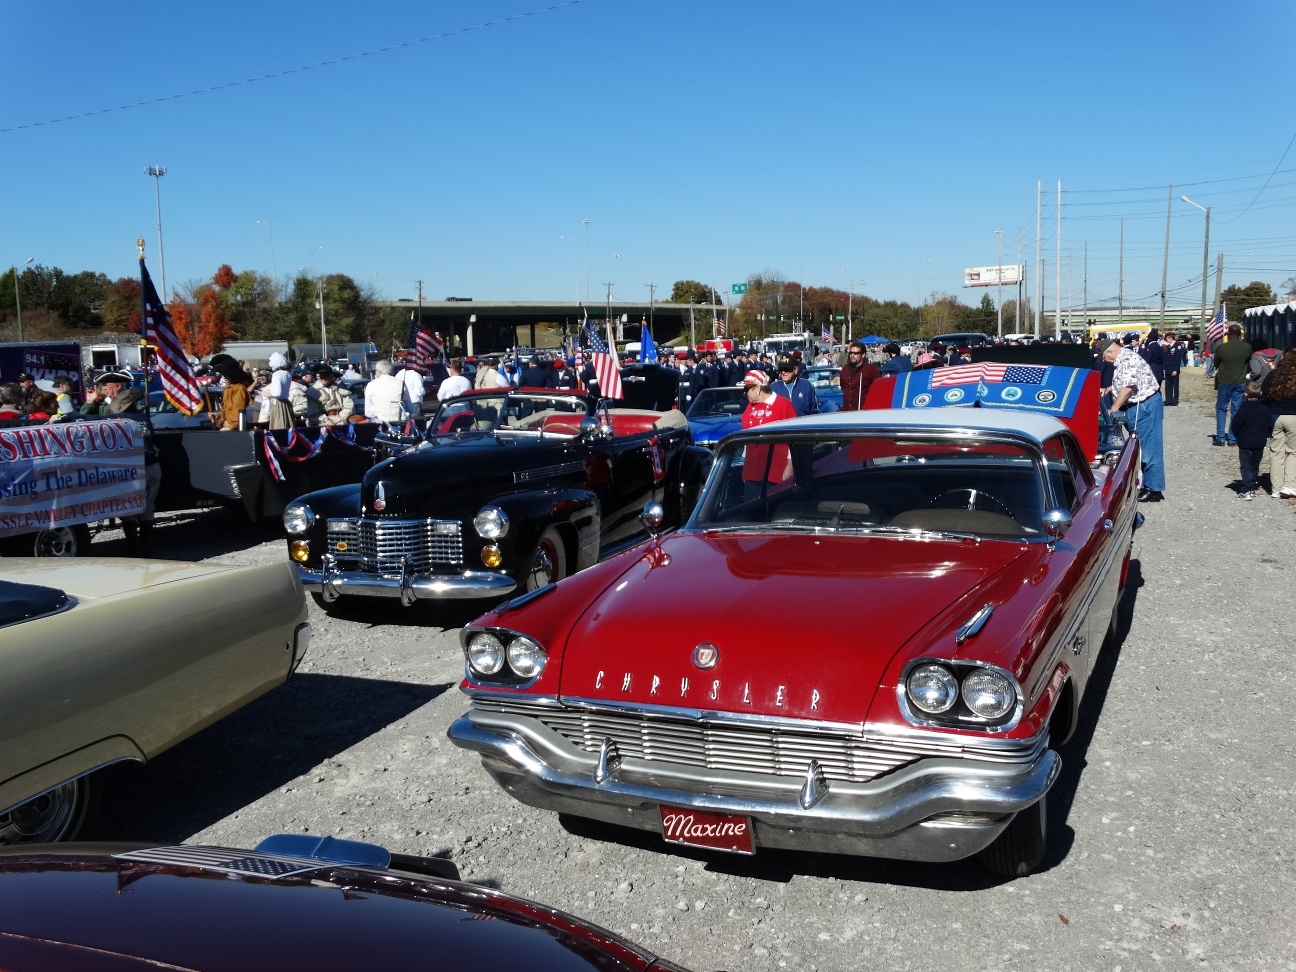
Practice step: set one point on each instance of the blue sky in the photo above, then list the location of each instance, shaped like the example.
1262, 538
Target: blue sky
827, 141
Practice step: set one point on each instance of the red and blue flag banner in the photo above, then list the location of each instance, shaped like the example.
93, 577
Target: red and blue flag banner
1050, 389
179, 384
606, 367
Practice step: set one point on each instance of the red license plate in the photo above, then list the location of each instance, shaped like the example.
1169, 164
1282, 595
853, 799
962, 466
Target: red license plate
701, 828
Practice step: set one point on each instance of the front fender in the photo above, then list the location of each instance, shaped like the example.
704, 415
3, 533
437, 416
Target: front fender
575, 512
337, 501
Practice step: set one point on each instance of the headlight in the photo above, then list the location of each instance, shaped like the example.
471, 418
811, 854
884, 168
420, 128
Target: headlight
485, 653
298, 518
932, 688
989, 694
491, 523
526, 657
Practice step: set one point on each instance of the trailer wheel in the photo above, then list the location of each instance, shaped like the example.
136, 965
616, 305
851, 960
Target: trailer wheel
68, 541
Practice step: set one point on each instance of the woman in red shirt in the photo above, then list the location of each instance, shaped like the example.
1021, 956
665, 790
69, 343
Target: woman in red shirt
763, 406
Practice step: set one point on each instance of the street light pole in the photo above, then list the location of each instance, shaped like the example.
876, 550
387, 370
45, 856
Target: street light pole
1205, 261
273, 269
157, 172
17, 300
323, 334
999, 282
586, 222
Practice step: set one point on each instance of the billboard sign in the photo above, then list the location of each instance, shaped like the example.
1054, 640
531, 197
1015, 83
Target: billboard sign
993, 276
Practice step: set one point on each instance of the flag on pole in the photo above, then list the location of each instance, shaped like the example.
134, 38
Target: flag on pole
720, 329
1215, 329
424, 348
587, 332
179, 384
827, 333
647, 345
606, 367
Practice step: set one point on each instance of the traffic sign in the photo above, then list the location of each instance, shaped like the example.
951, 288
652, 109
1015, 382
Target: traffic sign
740, 288
841, 317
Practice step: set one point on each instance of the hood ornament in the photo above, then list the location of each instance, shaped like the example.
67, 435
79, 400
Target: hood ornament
706, 655
380, 499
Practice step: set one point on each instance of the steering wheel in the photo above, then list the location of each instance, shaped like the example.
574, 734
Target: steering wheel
974, 498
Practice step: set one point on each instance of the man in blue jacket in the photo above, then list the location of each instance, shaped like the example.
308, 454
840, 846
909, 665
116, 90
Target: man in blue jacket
799, 391
1174, 361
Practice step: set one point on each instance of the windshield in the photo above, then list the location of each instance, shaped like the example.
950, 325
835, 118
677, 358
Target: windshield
550, 414
879, 483
824, 377
710, 402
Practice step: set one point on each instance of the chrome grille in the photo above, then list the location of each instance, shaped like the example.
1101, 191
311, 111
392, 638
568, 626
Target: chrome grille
771, 748
380, 544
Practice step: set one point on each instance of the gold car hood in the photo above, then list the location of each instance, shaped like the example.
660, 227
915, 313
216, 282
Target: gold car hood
91, 577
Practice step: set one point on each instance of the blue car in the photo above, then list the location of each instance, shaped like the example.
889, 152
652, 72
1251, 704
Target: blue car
715, 413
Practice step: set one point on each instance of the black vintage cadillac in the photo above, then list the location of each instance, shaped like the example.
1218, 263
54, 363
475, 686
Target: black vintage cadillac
506, 492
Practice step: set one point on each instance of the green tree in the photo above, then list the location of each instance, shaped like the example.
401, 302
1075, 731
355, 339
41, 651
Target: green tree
1236, 299
121, 305
690, 292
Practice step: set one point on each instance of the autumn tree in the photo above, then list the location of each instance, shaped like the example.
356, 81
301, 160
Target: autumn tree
120, 310
181, 321
213, 328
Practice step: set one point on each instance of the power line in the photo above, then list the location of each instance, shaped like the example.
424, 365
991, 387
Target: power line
1266, 184
298, 70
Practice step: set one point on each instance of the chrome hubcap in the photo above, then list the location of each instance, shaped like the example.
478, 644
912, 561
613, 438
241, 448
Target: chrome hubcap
41, 820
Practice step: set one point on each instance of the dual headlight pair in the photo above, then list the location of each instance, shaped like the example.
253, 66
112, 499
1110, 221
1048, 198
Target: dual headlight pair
504, 656
935, 690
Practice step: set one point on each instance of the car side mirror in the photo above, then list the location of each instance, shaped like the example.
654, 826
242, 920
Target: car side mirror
1056, 523
653, 516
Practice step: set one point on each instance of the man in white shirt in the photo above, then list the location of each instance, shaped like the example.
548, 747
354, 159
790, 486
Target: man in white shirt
383, 395
412, 396
1138, 396
456, 384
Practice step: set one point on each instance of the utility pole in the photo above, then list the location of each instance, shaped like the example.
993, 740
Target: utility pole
608, 322
1070, 283
1057, 298
17, 300
157, 172
1085, 312
652, 290
586, 222
1165, 258
1039, 257
999, 281
1205, 260
1120, 286
323, 334
1219, 280
1017, 309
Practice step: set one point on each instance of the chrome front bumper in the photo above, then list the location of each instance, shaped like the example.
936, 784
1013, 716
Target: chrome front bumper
935, 809
331, 582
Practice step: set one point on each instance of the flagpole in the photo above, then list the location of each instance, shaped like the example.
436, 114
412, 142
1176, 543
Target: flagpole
144, 345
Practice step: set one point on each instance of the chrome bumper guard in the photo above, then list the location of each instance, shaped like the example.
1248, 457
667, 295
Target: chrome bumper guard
935, 809
331, 582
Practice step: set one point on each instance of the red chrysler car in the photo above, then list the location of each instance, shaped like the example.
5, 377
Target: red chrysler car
964, 567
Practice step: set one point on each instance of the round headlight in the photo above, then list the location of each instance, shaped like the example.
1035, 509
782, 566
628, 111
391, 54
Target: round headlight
298, 518
485, 653
932, 688
526, 657
989, 694
490, 523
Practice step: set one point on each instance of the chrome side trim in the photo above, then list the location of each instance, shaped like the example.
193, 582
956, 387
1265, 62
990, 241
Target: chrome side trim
973, 625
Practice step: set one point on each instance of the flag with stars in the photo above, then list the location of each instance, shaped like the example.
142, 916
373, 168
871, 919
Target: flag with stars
179, 384
607, 370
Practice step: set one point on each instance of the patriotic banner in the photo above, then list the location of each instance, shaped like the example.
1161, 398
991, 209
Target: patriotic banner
179, 384
290, 451
62, 474
606, 367
1050, 389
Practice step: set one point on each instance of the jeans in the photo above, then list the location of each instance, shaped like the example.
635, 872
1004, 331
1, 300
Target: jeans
1146, 419
1226, 397
1249, 460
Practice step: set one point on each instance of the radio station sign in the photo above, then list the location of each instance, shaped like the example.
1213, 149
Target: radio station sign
69, 473
994, 276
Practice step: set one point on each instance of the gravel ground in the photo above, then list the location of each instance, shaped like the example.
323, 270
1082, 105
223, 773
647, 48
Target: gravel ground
1171, 840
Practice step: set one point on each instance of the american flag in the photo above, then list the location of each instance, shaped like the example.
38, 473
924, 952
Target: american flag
826, 333
720, 328
606, 368
424, 348
587, 333
992, 371
179, 384
1215, 329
